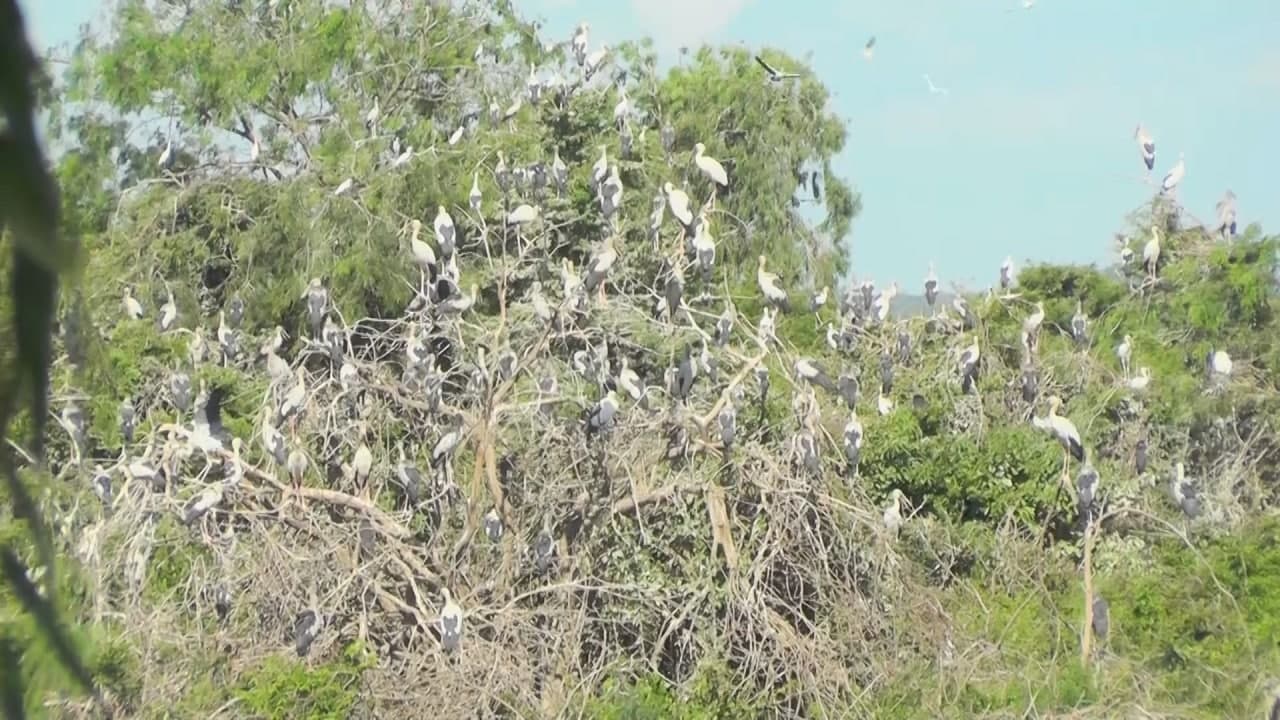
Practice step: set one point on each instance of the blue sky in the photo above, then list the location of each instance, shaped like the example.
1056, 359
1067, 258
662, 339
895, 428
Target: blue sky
1030, 154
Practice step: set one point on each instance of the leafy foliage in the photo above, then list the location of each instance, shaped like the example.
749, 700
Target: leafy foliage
972, 612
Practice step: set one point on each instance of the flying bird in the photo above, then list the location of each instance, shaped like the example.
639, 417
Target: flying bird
774, 74
869, 49
934, 89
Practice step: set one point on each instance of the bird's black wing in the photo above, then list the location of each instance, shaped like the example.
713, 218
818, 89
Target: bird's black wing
213, 412
768, 68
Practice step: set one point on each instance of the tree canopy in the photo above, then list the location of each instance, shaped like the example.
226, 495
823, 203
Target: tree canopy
652, 564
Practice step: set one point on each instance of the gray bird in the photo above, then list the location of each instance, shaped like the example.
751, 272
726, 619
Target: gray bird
306, 627
686, 374
1102, 617
1087, 492
317, 298
728, 425
180, 391
848, 389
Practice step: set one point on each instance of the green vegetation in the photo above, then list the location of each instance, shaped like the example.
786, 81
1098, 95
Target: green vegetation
801, 605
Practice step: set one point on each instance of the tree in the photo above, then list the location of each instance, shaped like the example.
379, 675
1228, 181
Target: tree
631, 573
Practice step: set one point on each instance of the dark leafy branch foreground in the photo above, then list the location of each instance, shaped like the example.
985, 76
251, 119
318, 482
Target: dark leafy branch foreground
661, 567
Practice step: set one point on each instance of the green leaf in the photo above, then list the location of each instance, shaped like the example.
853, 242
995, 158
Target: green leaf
46, 618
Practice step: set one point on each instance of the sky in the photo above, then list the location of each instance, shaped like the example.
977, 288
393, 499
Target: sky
1030, 154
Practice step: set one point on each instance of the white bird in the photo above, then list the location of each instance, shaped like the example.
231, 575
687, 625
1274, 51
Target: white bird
880, 306
1151, 253
1007, 273
600, 168
766, 331
933, 89
869, 49
1124, 351
202, 503
403, 158
1079, 324
579, 43
475, 198
931, 287
853, 441
1174, 176
423, 255
446, 236
1184, 493
893, 513
884, 403
1139, 382
629, 381
678, 203
1064, 431
1126, 252
1226, 212
1146, 146
132, 308
361, 466
610, 193
704, 248
601, 416
709, 165
596, 59
168, 312
371, 117
1031, 326
621, 108
597, 270
273, 343
775, 75
768, 283
559, 171
458, 304
810, 372
969, 359
818, 299
1220, 364
344, 186
523, 214
166, 155
451, 617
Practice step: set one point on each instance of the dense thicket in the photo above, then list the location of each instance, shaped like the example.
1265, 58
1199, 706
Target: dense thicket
718, 582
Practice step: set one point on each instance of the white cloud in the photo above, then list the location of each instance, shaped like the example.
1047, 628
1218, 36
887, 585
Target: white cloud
677, 23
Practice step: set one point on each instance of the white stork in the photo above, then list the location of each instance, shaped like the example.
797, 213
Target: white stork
132, 308
1151, 253
1064, 431
1146, 146
709, 166
446, 233
678, 203
1175, 176
768, 283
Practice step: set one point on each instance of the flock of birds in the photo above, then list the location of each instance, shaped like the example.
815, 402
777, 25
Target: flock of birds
327, 366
